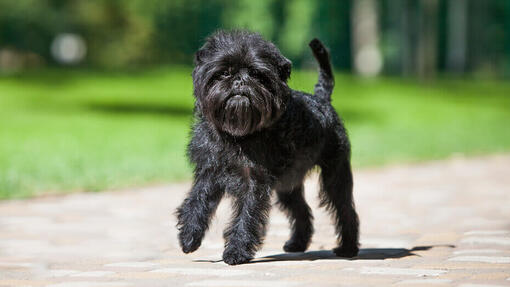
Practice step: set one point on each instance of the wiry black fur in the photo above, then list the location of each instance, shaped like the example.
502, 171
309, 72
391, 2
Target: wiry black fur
252, 135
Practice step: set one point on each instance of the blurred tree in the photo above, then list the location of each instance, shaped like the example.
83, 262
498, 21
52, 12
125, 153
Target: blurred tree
427, 40
456, 35
257, 16
409, 36
414, 37
506, 48
115, 33
295, 33
331, 23
30, 25
418, 37
365, 38
182, 25
488, 36
391, 35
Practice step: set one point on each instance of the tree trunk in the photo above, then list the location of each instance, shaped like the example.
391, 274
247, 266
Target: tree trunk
409, 37
427, 41
365, 38
456, 36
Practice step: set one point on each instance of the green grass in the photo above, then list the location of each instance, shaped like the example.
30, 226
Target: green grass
63, 131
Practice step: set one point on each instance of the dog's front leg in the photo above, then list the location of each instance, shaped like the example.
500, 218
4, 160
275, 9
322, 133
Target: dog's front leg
248, 227
194, 214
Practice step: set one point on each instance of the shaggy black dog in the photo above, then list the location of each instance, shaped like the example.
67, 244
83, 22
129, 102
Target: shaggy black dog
253, 134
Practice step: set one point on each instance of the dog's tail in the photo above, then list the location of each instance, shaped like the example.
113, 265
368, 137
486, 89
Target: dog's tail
326, 82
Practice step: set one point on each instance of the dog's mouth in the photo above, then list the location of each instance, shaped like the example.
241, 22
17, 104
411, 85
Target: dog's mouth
238, 99
238, 116
244, 111
236, 105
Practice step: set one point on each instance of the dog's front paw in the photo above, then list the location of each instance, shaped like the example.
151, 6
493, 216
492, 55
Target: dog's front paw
293, 245
346, 251
190, 241
234, 256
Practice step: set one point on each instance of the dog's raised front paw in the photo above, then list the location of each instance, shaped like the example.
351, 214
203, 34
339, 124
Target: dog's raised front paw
189, 241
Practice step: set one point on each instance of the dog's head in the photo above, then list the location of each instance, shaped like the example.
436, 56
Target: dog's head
239, 82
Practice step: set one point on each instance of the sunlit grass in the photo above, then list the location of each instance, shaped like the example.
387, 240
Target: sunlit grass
62, 131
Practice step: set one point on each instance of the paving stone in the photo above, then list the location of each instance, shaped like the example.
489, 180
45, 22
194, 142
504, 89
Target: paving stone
505, 241
414, 282
204, 272
132, 264
462, 265
436, 223
439, 238
242, 283
93, 274
335, 279
479, 251
485, 259
16, 265
144, 275
61, 272
90, 284
490, 276
15, 282
487, 232
401, 271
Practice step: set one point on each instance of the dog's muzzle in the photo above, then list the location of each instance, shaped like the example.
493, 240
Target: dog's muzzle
240, 117
238, 100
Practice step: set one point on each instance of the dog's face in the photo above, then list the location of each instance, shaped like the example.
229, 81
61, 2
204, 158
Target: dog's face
239, 82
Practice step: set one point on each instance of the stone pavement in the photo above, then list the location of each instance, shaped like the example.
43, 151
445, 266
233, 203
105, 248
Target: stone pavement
439, 223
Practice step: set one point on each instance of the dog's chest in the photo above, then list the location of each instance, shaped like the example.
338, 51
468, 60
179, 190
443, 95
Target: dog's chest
280, 163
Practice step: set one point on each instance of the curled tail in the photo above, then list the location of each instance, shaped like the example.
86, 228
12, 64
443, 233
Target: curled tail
326, 82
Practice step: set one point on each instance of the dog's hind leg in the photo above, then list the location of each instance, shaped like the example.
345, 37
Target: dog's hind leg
293, 203
336, 196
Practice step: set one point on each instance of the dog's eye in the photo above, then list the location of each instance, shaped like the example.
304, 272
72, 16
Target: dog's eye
260, 76
227, 73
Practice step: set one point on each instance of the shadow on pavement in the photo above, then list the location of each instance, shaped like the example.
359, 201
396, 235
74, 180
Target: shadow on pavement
364, 254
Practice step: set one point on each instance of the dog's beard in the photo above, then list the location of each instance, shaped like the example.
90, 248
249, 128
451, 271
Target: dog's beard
239, 117
245, 110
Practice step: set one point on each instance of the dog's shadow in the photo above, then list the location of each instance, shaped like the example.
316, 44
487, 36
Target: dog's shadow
364, 254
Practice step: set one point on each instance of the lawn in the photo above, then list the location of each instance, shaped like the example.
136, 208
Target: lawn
64, 131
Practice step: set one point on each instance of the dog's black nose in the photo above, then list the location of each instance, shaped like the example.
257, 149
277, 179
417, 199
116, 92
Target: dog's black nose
238, 83
241, 78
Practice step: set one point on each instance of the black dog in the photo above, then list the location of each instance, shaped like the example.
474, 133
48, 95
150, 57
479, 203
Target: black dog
252, 135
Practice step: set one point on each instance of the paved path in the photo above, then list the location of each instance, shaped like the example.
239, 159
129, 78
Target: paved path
439, 223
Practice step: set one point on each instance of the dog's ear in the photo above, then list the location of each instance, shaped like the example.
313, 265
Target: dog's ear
199, 56
284, 68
